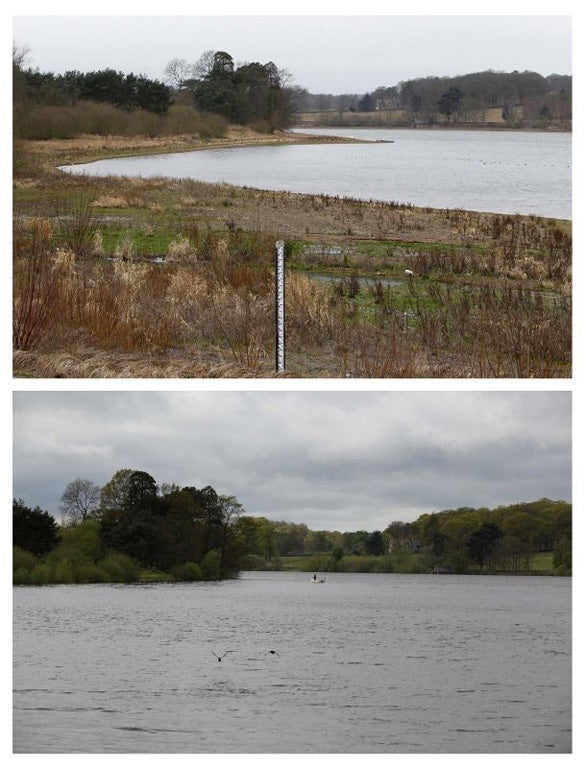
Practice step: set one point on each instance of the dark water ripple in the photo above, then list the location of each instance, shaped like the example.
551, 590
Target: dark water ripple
369, 664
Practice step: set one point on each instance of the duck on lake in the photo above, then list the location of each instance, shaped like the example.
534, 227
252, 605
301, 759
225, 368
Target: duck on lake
219, 658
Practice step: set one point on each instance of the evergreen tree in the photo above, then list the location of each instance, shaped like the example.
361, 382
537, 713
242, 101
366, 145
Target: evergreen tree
449, 102
483, 541
33, 529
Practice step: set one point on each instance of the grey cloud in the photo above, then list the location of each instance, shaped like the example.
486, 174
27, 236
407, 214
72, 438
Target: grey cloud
342, 460
327, 53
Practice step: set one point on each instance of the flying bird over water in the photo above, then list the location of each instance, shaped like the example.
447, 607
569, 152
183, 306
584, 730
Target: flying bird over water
219, 658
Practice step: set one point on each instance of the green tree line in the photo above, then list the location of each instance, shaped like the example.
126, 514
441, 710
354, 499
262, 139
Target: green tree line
498, 539
131, 528
128, 527
461, 540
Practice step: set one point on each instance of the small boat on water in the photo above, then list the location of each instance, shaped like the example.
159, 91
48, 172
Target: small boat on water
315, 580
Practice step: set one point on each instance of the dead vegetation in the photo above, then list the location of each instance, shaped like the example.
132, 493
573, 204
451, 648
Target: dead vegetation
166, 278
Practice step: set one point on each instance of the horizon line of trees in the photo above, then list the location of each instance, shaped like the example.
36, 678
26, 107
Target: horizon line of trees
461, 539
132, 525
261, 96
422, 99
252, 94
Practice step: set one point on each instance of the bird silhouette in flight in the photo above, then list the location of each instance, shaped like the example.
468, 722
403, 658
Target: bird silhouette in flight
219, 658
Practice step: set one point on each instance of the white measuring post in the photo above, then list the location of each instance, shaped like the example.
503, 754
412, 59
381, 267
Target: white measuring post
280, 305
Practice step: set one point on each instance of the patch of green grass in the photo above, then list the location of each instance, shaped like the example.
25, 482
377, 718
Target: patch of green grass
145, 243
153, 577
541, 561
295, 562
388, 248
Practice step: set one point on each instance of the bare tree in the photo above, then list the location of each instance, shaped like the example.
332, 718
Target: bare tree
20, 54
80, 500
204, 65
178, 71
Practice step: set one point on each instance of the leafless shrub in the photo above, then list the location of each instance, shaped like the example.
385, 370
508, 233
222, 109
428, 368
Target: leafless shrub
77, 224
36, 284
376, 349
240, 320
497, 331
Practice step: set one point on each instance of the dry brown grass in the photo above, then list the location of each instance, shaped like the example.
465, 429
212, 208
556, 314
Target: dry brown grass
134, 319
91, 363
491, 296
46, 154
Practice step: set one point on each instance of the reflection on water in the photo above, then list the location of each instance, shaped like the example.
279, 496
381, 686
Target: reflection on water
503, 172
366, 663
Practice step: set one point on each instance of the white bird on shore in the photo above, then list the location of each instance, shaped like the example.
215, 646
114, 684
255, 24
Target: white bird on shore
408, 272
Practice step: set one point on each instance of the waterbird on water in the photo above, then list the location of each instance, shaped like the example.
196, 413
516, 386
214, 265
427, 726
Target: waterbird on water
219, 658
273, 652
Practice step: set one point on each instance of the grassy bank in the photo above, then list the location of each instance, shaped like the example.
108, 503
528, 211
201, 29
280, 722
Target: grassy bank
486, 120
44, 155
173, 278
538, 564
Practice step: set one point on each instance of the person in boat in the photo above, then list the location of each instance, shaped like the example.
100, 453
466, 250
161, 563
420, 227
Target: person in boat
314, 577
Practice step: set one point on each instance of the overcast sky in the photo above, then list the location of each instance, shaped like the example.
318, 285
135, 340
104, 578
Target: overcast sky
323, 53
333, 460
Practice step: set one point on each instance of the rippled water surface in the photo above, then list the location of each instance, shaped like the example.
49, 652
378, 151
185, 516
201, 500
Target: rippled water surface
366, 663
502, 172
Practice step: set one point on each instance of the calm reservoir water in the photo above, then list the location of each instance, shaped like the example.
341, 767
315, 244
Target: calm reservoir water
501, 172
367, 663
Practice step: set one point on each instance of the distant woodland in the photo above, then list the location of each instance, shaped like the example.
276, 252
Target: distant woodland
204, 97
132, 529
515, 99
